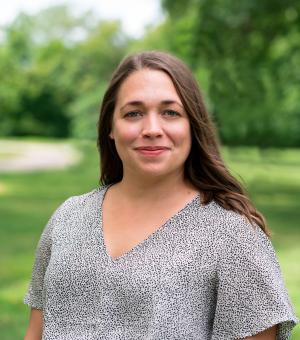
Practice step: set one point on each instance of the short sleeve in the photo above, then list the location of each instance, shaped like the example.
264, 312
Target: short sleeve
251, 295
34, 295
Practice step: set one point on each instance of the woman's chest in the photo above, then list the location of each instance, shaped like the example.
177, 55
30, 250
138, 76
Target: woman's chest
121, 234
82, 277
78, 256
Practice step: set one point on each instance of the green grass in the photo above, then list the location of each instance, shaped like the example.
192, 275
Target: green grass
27, 200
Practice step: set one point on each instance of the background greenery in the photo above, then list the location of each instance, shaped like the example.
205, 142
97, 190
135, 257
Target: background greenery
54, 68
246, 56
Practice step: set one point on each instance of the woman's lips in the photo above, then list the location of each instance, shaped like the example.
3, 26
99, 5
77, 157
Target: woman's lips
147, 152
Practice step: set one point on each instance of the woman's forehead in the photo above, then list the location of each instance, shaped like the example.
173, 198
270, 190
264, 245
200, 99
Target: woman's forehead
148, 86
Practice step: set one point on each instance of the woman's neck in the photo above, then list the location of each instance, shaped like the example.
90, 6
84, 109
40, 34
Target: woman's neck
151, 190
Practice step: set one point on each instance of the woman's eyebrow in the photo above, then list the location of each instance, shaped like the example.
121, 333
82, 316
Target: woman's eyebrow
170, 101
140, 103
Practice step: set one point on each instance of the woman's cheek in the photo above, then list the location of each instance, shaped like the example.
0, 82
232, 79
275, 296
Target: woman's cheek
180, 133
130, 133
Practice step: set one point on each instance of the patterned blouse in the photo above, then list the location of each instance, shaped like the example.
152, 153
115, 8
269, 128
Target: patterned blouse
206, 273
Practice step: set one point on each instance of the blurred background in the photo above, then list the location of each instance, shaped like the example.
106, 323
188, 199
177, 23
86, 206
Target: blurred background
55, 61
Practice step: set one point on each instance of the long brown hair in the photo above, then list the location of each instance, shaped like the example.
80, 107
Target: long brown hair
204, 167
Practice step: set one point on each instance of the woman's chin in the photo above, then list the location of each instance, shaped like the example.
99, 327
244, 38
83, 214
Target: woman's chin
153, 171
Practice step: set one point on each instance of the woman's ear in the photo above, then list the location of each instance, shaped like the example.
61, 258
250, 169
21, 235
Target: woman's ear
111, 135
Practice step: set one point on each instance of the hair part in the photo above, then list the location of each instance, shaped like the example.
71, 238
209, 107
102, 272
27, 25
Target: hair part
204, 167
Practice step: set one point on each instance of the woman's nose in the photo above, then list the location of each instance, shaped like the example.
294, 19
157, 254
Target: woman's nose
152, 125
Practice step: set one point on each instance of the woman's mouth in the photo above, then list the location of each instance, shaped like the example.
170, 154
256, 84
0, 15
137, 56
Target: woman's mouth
151, 152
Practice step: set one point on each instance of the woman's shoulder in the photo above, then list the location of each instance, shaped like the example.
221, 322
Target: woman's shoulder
229, 225
236, 239
86, 196
77, 202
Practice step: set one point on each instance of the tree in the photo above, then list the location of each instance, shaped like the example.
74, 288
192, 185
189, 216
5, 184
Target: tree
53, 67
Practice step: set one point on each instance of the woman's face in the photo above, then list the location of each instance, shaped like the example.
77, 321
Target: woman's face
149, 114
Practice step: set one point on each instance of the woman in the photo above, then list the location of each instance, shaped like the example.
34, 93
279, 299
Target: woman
169, 246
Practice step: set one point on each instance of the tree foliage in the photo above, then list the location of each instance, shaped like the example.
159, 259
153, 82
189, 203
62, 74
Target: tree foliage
53, 67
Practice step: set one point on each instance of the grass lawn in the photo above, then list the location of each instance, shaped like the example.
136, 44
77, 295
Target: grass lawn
27, 200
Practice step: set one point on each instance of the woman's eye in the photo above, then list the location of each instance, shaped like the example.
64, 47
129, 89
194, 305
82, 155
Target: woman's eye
171, 113
132, 114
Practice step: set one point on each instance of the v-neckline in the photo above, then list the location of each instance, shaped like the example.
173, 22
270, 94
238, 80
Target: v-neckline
131, 251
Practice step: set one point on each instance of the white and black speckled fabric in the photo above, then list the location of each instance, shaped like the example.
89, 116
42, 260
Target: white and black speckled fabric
204, 274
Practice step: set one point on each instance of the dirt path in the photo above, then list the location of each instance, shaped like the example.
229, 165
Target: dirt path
17, 156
